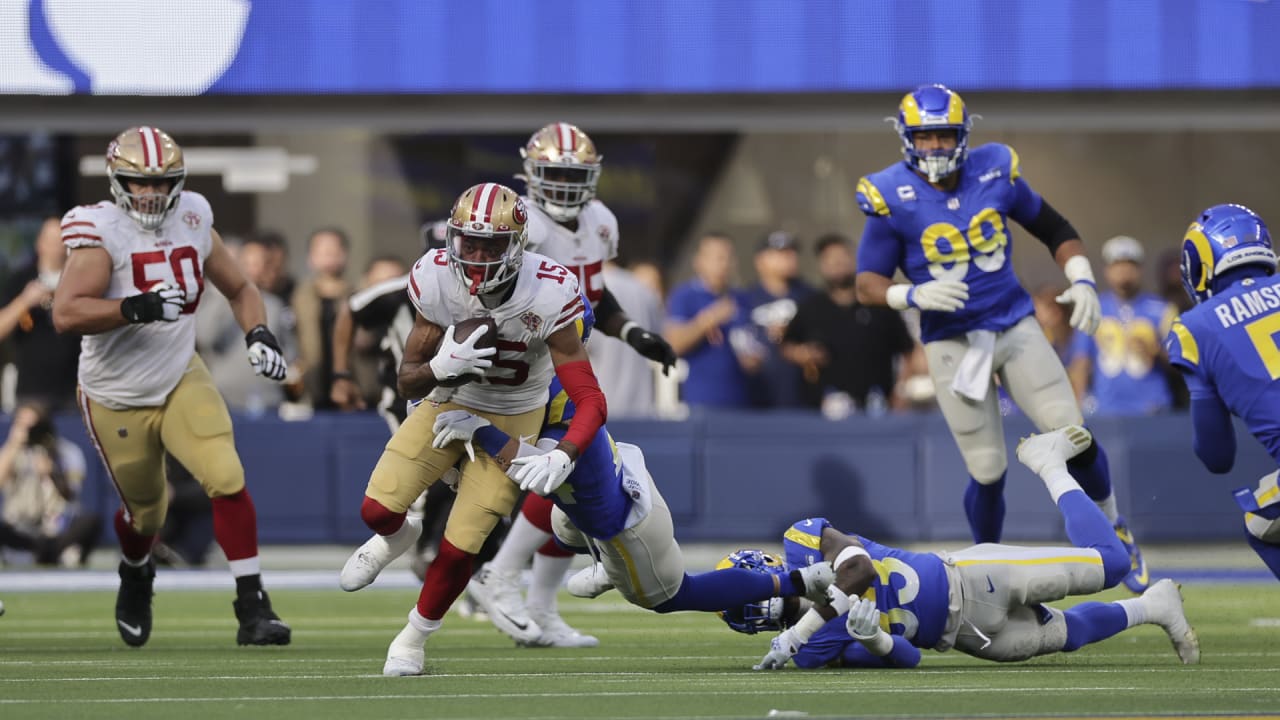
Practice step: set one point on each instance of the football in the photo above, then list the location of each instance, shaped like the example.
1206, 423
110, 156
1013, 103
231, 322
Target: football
463, 330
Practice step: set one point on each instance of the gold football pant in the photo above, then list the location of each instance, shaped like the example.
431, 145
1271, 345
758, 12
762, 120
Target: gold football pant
409, 465
193, 425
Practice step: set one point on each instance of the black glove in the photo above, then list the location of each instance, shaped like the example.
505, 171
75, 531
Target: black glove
163, 302
265, 356
652, 346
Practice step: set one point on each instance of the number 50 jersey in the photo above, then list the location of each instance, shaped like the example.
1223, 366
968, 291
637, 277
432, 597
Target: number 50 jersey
139, 365
544, 300
962, 234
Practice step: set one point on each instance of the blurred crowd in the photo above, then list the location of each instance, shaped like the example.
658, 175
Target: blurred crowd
777, 342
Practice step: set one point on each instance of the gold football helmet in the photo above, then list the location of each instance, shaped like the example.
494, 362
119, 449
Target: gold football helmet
562, 168
485, 237
146, 156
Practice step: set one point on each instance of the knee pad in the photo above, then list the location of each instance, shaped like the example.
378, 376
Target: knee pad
985, 465
1258, 522
222, 475
1267, 531
1059, 414
565, 532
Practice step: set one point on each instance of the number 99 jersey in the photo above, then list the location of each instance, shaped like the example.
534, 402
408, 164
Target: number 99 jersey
910, 590
962, 234
545, 299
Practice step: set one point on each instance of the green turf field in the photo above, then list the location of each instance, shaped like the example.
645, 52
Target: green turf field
60, 657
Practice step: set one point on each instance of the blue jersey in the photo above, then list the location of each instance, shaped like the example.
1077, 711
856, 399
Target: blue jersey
911, 589
1125, 379
593, 495
964, 234
1227, 347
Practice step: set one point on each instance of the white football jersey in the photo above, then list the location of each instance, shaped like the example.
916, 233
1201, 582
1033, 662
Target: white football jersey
584, 251
139, 365
545, 299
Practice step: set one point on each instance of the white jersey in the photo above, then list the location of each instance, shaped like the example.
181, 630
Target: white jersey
138, 365
583, 251
545, 299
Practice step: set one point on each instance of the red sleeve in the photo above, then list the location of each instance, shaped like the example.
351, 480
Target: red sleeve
579, 382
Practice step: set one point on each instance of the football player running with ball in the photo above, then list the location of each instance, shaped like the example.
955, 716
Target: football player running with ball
135, 273
986, 601
941, 217
537, 310
1226, 349
568, 224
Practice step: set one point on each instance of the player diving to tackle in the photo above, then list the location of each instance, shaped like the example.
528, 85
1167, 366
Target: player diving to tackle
537, 310
1226, 349
986, 601
610, 507
941, 217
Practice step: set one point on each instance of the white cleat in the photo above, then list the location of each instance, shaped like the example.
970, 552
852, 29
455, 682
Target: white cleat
372, 557
589, 582
406, 655
557, 633
1054, 448
1164, 608
498, 593
817, 578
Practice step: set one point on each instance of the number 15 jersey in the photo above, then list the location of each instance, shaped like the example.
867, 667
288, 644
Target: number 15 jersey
962, 234
139, 365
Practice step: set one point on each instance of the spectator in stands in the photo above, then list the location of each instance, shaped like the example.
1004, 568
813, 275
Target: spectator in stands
315, 306
708, 327
365, 361
772, 304
220, 340
275, 271
41, 476
847, 351
625, 376
650, 275
1123, 360
1053, 318
46, 361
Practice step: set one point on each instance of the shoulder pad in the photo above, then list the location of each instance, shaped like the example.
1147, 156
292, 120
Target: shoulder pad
870, 199
83, 226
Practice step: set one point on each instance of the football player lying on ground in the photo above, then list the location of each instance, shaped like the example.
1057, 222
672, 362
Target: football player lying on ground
610, 507
985, 601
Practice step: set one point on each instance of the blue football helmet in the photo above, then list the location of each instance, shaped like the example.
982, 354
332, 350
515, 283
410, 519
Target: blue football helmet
1222, 238
756, 616
933, 107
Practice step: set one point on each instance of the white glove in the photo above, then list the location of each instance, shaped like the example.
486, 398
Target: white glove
457, 425
455, 359
173, 297
863, 625
264, 354
935, 295
781, 650
541, 474
1087, 312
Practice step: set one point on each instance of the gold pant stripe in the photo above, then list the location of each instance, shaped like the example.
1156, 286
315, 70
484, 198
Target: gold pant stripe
621, 548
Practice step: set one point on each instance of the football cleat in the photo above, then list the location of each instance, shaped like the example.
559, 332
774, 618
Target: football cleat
816, 578
1138, 578
498, 592
558, 634
259, 624
406, 655
589, 582
376, 553
1054, 448
133, 602
1164, 608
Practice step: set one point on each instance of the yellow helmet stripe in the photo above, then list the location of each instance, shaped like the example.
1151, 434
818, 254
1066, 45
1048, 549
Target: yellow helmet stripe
872, 194
1201, 243
910, 111
955, 110
1190, 351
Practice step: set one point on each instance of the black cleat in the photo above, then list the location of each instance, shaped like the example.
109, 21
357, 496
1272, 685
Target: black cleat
259, 625
133, 602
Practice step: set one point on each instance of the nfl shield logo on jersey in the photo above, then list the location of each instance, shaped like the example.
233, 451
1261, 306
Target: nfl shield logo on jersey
532, 321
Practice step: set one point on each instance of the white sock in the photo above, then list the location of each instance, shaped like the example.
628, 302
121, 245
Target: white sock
1135, 609
418, 629
517, 550
136, 563
548, 574
1108, 507
1059, 482
409, 525
247, 566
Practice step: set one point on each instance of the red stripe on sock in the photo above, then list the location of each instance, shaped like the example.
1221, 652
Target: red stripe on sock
235, 525
551, 549
447, 577
537, 510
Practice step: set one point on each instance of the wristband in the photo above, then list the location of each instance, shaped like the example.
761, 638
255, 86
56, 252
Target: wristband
627, 327
898, 297
1078, 270
880, 644
847, 554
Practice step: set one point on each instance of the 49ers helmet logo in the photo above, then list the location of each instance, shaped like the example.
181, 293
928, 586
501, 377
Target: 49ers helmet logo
518, 212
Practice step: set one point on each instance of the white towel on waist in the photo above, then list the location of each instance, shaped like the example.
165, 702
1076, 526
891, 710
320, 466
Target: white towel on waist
973, 377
